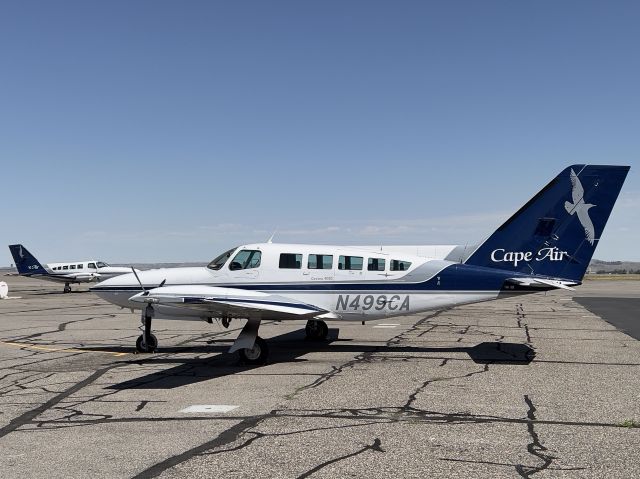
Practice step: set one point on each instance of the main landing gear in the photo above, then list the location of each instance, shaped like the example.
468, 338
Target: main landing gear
251, 347
316, 330
67, 288
255, 355
146, 342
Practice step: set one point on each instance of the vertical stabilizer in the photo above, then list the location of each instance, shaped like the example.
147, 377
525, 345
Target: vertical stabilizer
26, 263
557, 231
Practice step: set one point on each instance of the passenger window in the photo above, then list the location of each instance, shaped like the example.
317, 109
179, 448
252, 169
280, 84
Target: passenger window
91, 265
65, 267
73, 266
80, 266
375, 264
246, 259
320, 261
290, 261
350, 262
397, 265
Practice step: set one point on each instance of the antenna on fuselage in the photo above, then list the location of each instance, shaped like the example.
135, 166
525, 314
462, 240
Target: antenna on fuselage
270, 240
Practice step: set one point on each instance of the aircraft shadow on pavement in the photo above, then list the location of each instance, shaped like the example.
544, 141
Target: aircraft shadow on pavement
288, 348
40, 292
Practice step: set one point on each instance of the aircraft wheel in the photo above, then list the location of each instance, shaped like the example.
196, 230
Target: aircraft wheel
316, 330
257, 354
67, 288
141, 347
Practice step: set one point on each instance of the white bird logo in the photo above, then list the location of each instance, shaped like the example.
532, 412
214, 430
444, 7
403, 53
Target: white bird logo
580, 207
21, 254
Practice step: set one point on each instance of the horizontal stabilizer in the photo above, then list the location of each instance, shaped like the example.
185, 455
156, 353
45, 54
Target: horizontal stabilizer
544, 282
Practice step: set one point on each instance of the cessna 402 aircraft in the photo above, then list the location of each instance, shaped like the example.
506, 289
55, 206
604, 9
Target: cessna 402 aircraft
546, 244
67, 273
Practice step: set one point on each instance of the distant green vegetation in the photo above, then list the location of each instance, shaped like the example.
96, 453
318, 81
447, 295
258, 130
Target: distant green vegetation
613, 277
614, 267
618, 271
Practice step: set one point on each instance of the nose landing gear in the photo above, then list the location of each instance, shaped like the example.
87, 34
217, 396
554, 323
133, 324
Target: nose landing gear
146, 342
67, 288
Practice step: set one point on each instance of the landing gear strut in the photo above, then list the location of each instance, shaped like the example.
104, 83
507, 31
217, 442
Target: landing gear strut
316, 329
146, 342
251, 347
67, 288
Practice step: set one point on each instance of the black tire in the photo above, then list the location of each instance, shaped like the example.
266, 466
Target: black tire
256, 355
141, 347
316, 330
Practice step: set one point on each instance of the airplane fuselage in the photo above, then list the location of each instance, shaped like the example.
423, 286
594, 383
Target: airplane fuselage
351, 284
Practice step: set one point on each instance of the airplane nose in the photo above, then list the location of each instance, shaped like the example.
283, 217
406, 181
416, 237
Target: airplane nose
127, 279
118, 290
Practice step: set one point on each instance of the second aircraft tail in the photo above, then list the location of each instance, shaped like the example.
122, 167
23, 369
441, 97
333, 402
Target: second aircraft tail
26, 263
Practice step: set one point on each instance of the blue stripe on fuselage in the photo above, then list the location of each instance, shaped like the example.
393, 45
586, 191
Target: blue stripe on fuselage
195, 300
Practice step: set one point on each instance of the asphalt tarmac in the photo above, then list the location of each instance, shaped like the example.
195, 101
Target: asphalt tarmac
535, 386
623, 313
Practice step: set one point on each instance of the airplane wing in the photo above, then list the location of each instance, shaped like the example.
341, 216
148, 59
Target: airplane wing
229, 302
79, 276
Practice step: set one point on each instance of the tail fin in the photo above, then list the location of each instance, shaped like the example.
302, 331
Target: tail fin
25, 261
557, 231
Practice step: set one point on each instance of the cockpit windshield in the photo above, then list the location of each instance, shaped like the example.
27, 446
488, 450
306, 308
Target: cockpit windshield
100, 264
219, 262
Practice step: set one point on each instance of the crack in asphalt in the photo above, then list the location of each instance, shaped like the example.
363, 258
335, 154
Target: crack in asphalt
382, 414
59, 328
376, 446
414, 395
33, 413
228, 436
508, 464
535, 447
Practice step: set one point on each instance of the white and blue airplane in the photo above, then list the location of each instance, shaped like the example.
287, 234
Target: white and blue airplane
546, 244
68, 273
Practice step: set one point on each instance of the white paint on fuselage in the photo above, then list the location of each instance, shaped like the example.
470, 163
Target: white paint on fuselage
355, 304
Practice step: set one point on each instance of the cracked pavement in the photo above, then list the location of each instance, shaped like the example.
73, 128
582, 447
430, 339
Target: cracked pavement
534, 386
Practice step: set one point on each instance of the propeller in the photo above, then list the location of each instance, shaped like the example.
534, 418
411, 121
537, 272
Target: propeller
144, 291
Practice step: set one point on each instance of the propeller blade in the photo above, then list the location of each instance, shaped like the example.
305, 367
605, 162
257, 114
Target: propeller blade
139, 282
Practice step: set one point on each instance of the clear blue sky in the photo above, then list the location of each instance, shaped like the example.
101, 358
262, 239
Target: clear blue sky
169, 131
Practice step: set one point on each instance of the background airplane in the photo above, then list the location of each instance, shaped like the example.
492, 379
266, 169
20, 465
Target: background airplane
67, 273
546, 244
